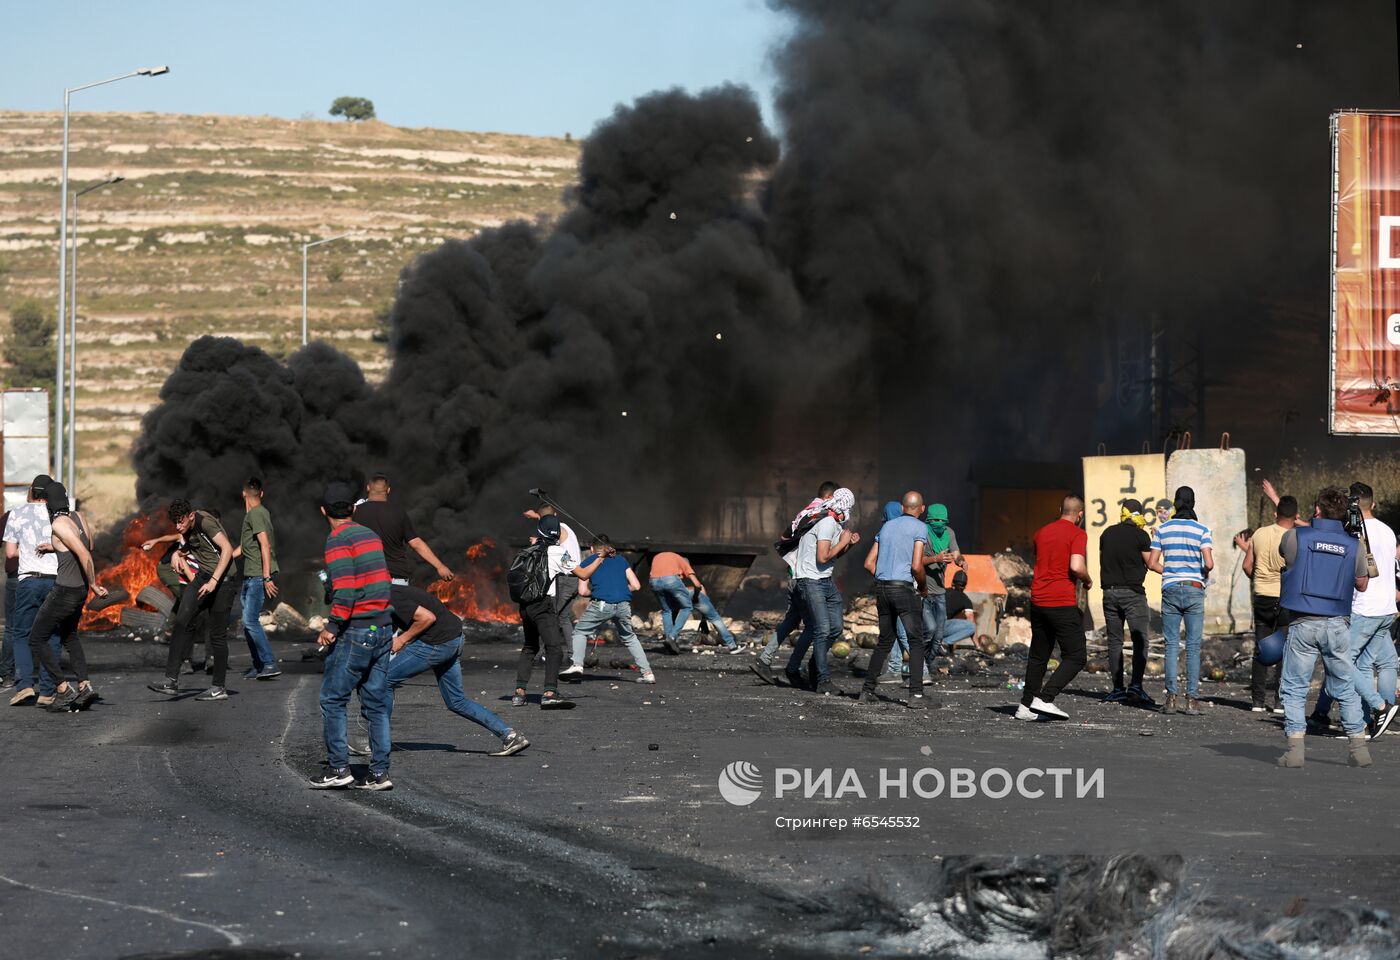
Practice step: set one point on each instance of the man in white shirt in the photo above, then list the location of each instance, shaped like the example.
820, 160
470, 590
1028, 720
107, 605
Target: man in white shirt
1372, 615
566, 584
540, 620
812, 565
27, 537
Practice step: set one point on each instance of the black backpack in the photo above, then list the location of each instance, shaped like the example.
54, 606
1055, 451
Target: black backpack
528, 577
786, 544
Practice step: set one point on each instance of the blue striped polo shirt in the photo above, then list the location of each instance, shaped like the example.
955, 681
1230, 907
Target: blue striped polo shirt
1181, 542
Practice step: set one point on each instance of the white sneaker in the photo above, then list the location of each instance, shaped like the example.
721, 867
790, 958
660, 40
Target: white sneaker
1045, 706
572, 670
647, 678
1024, 712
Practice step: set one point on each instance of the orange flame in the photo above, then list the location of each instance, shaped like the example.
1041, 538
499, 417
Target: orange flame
135, 570
479, 593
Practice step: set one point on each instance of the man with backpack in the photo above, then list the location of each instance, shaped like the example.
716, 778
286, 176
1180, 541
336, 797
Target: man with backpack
532, 580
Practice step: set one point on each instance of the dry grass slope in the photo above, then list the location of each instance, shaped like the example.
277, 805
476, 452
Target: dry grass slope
204, 237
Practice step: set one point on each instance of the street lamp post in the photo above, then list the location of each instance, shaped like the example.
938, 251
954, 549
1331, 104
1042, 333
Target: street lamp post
304, 248
58, 436
73, 342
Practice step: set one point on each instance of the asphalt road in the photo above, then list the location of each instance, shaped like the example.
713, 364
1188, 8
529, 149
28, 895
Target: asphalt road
147, 827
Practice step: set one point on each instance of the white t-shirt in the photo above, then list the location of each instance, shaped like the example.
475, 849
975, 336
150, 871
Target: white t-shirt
29, 527
559, 563
569, 542
1378, 599
807, 567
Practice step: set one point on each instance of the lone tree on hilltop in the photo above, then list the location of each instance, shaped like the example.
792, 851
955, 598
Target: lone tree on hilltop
29, 349
353, 108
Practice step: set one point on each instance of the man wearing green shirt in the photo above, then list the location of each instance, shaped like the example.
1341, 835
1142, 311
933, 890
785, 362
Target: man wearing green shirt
258, 548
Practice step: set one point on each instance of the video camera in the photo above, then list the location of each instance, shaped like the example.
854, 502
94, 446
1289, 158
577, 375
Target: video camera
1355, 524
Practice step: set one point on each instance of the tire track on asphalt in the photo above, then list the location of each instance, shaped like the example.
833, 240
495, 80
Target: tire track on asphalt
234, 940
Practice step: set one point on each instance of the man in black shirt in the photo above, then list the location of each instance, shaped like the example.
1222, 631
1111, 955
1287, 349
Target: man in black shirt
962, 618
391, 524
1124, 549
430, 637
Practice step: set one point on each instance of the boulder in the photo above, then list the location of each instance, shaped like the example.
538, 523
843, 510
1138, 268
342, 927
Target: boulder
288, 617
1013, 630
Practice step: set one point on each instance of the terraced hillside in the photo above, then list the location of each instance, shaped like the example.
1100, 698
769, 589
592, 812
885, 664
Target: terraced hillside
205, 235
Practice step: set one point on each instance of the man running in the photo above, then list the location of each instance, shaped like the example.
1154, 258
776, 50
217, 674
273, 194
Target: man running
430, 638
672, 579
1060, 550
359, 633
257, 548
210, 592
540, 621
63, 607
813, 563
395, 530
611, 582
792, 619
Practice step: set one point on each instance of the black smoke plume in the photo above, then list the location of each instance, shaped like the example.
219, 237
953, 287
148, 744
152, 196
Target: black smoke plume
981, 212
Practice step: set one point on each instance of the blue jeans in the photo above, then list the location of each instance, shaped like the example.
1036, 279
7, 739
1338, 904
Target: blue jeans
1181, 602
959, 629
253, 597
935, 619
821, 611
596, 616
7, 650
791, 620
676, 603
29, 597
444, 659
1371, 649
358, 663
1309, 638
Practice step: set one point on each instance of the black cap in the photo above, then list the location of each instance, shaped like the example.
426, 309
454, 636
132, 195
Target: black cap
1132, 506
960, 579
549, 529
40, 486
339, 500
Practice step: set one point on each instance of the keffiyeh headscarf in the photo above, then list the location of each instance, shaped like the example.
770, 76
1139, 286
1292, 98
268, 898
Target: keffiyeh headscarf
841, 504
818, 505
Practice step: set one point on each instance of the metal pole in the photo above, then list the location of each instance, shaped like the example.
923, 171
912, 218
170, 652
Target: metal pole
304, 248
73, 362
61, 329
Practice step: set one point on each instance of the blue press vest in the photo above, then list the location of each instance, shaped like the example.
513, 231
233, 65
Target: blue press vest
1321, 581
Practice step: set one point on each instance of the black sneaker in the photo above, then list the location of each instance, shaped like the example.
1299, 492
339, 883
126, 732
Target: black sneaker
250, 674
517, 700
794, 679
1138, 695
213, 693
1258, 707
827, 689
556, 702
373, 781
867, 696
170, 688
764, 671
197, 667
671, 646
269, 672
1116, 695
1382, 719
511, 744
332, 780
86, 697
65, 700
892, 678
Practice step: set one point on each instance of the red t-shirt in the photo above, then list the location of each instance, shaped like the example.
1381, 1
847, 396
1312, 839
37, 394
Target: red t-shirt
1054, 543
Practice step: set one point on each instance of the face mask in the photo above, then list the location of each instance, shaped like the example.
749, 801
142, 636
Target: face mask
938, 526
1139, 520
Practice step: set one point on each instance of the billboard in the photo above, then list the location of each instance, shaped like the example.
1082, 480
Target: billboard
1364, 388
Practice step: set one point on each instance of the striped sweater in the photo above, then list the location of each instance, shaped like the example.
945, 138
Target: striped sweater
359, 579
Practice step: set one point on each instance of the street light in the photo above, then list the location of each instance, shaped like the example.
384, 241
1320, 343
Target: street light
73, 341
304, 248
58, 437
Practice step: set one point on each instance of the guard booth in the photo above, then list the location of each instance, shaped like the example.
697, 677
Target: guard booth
24, 436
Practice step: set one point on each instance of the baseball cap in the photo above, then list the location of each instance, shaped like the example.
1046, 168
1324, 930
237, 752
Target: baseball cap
549, 528
40, 485
1132, 506
338, 495
57, 496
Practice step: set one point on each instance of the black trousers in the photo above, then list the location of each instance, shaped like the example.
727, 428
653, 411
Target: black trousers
1122, 605
60, 613
216, 606
898, 600
541, 622
1051, 627
1268, 618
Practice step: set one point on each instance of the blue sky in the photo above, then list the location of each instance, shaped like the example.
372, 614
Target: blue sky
518, 66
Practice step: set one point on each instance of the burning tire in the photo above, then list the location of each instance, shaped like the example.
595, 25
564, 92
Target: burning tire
157, 599
116, 595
